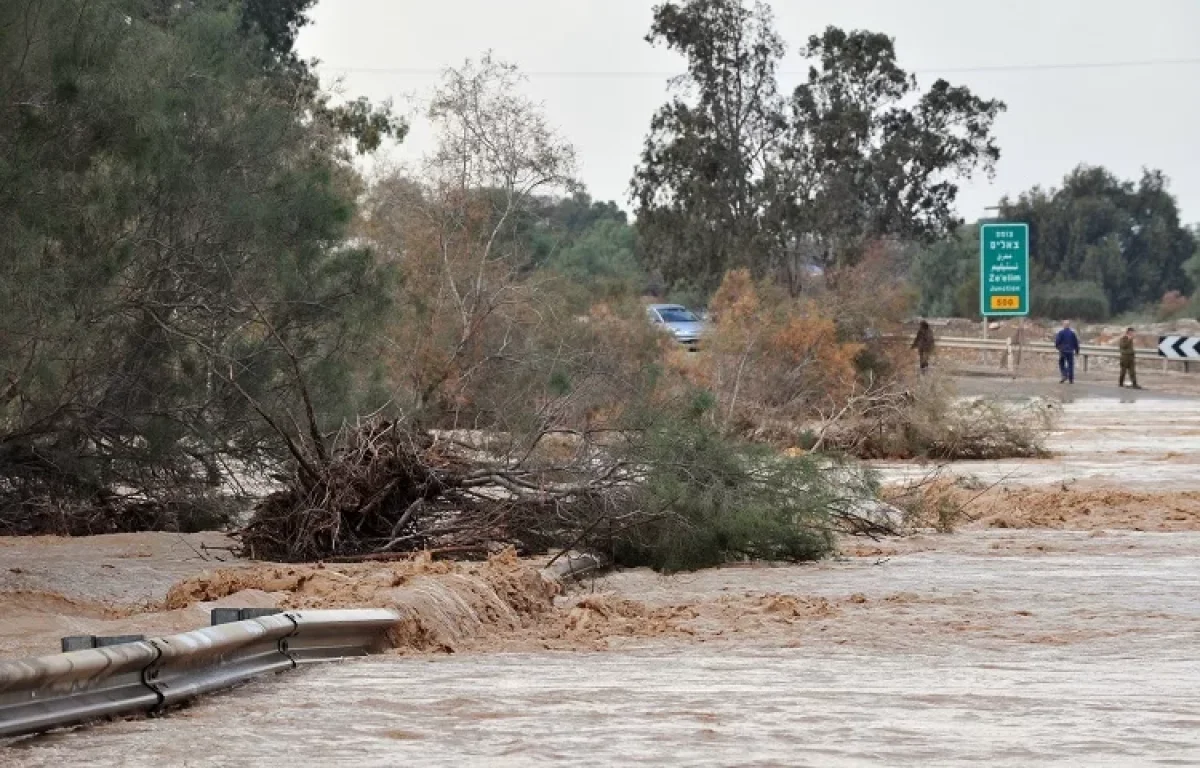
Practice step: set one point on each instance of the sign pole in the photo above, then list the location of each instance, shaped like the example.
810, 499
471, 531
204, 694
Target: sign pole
1020, 341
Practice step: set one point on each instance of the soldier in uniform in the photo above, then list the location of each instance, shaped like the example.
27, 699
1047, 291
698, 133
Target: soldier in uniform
1128, 360
924, 344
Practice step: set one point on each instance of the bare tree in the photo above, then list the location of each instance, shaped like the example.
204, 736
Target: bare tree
454, 230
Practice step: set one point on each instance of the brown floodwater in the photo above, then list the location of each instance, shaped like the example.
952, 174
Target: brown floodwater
1002, 648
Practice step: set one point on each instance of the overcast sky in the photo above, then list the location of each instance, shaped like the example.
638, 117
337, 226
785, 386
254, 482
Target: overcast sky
600, 81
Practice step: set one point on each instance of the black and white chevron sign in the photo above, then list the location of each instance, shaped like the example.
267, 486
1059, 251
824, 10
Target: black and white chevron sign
1179, 347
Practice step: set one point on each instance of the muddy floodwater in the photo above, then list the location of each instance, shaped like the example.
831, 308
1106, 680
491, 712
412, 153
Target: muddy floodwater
1060, 627
1004, 648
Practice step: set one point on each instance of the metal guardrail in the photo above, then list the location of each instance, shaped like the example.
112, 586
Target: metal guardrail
148, 676
1009, 350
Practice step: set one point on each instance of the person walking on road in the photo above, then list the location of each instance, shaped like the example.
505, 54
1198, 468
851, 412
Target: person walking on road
924, 344
1128, 360
1067, 344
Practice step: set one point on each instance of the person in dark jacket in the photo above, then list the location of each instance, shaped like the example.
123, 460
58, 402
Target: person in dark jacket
1128, 360
924, 344
1067, 344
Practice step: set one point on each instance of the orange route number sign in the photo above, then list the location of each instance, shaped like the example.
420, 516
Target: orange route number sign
1006, 302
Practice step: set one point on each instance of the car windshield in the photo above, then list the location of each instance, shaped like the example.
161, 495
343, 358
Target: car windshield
677, 315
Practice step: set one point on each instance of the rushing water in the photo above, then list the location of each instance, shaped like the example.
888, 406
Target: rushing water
1007, 648
663, 708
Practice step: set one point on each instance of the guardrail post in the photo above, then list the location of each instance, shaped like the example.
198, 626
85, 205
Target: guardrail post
1085, 363
1166, 364
1008, 355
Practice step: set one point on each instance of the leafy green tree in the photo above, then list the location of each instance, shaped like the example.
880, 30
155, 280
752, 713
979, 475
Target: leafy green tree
715, 500
554, 224
868, 155
732, 174
702, 189
1124, 236
176, 300
1079, 300
1191, 267
576, 214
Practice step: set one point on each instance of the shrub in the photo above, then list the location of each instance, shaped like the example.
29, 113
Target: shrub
771, 358
713, 499
1173, 306
930, 503
930, 422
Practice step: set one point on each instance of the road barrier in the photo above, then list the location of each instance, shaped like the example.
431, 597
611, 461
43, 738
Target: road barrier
1010, 351
148, 676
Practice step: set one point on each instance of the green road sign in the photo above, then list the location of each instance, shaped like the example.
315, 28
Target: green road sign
1004, 270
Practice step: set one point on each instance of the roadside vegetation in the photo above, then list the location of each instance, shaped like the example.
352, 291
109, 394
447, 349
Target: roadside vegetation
928, 421
210, 317
1106, 248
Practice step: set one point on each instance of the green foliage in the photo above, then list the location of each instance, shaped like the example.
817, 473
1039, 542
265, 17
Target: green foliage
1077, 300
574, 235
1191, 267
734, 175
944, 271
577, 214
279, 22
603, 256
276, 24
710, 499
1124, 236
688, 294
874, 155
702, 196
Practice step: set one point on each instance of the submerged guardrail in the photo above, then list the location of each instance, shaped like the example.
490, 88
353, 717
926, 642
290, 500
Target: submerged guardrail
148, 676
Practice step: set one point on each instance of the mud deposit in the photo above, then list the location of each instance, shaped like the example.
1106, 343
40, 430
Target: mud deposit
1079, 509
103, 585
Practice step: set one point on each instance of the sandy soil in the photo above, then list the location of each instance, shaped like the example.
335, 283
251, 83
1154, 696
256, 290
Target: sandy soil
1074, 509
1084, 510
125, 569
154, 583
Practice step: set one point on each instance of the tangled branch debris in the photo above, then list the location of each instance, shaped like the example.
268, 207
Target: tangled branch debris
390, 489
675, 499
929, 422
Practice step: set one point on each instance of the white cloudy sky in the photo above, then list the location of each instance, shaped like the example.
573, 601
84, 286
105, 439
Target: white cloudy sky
600, 81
